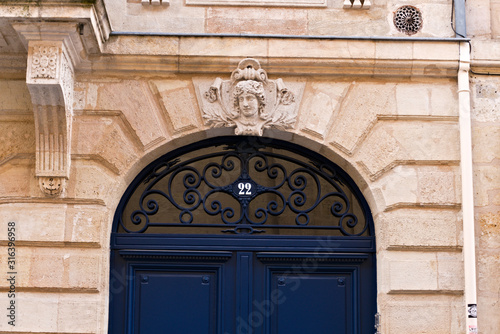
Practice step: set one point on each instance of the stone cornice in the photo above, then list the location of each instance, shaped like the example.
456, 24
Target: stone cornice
144, 54
91, 13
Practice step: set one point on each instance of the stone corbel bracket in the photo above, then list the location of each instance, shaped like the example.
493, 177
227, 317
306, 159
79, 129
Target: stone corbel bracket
50, 78
52, 56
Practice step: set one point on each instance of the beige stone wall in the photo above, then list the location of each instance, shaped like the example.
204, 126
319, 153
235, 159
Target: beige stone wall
331, 19
484, 28
398, 138
486, 154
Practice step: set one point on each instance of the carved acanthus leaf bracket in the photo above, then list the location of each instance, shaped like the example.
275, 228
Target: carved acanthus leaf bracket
249, 101
50, 78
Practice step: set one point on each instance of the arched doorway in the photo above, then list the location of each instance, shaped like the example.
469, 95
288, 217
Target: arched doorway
237, 235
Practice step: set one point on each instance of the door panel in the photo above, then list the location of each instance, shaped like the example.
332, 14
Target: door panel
183, 302
310, 294
313, 303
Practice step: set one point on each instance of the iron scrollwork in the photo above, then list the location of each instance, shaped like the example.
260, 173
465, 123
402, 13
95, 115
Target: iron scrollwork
244, 185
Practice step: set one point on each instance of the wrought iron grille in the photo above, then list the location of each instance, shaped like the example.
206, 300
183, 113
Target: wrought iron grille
244, 185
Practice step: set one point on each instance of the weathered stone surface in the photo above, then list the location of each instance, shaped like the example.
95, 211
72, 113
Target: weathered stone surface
334, 22
83, 270
430, 185
364, 101
488, 308
489, 269
86, 306
485, 97
34, 221
486, 182
53, 313
175, 17
217, 46
280, 3
67, 268
413, 99
91, 180
488, 272
106, 138
50, 222
250, 21
320, 103
424, 314
351, 50
36, 312
412, 271
179, 105
420, 228
84, 224
443, 99
151, 45
15, 95
382, 151
485, 143
438, 185
450, 272
132, 98
478, 17
22, 267
489, 235
391, 143
17, 179
495, 13
47, 268
434, 50
385, 50
434, 16
389, 186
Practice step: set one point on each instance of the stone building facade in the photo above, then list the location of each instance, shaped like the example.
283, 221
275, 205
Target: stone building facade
91, 92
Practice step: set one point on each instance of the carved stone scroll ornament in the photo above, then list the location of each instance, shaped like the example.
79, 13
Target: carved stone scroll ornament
51, 186
249, 101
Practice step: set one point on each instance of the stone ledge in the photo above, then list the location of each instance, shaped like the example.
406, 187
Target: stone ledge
408, 205
402, 248
67, 200
109, 64
31, 332
426, 292
52, 290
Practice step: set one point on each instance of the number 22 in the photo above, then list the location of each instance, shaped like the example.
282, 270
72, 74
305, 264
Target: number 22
243, 186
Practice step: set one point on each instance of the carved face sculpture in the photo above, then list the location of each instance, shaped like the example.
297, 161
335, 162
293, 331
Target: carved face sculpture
249, 99
249, 105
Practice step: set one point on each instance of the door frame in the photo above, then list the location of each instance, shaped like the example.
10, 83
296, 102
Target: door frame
129, 250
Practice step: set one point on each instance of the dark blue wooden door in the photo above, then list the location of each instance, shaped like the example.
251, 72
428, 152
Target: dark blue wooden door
245, 292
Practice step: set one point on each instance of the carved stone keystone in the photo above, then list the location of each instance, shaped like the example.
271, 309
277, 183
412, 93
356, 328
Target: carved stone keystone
249, 101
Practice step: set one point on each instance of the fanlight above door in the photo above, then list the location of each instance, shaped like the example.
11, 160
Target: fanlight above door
244, 185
